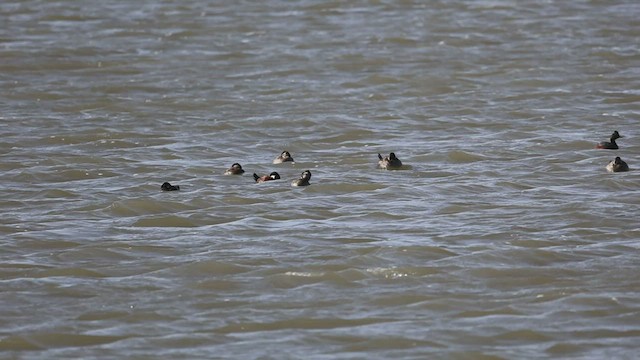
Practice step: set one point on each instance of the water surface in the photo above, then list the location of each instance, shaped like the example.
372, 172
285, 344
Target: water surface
505, 237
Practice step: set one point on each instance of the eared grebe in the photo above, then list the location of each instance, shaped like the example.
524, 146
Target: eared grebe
304, 179
284, 157
617, 165
235, 169
611, 144
168, 187
390, 163
260, 179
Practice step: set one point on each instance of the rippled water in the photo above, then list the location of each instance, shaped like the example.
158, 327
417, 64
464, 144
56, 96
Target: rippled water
504, 238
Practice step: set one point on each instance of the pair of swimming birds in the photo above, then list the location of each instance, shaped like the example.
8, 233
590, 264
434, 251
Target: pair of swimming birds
302, 181
617, 164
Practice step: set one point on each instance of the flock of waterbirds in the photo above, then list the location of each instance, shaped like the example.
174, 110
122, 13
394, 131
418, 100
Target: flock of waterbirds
390, 162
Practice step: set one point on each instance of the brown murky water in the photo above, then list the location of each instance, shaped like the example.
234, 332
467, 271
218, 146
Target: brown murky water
504, 237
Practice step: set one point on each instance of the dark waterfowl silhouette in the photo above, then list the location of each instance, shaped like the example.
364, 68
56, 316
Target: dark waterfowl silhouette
168, 187
611, 144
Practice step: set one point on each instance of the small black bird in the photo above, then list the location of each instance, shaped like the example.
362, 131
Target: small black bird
611, 144
168, 187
